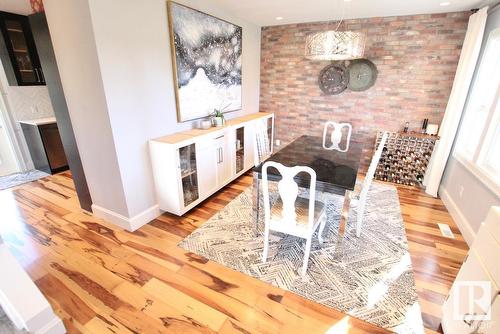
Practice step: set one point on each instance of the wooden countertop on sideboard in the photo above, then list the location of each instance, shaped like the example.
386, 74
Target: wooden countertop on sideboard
418, 135
188, 134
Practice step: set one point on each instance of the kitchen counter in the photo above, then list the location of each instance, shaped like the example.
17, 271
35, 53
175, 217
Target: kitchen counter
40, 121
45, 145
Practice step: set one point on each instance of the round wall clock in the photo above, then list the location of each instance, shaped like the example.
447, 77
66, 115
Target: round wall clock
362, 74
333, 79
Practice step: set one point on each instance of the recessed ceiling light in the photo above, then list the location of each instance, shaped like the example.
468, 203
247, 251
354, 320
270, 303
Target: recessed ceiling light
279, 18
446, 3
347, 0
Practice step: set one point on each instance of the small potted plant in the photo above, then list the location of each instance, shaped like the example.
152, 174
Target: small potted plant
218, 116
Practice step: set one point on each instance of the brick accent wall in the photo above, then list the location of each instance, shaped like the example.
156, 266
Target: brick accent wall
416, 57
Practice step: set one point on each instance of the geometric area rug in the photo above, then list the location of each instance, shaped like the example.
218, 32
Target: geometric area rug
370, 277
13, 180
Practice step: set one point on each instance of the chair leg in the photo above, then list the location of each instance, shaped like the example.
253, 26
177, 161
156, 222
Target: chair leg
266, 246
321, 228
306, 255
361, 213
256, 201
358, 226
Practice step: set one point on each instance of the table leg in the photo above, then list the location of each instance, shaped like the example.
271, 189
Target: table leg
339, 249
256, 202
345, 213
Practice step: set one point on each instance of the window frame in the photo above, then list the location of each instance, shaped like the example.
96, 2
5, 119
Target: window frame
476, 163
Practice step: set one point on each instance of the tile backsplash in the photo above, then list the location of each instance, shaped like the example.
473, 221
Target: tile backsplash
29, 102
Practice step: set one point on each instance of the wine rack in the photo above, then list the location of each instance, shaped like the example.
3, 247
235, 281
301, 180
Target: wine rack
405, 157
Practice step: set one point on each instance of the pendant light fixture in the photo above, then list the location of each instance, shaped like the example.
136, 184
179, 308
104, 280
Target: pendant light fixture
335, 44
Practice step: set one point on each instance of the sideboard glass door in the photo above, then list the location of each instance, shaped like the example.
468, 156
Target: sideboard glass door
189, 175
240, 149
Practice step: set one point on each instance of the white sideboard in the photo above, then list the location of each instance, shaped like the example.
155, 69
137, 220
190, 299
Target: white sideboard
190, 166
481, 267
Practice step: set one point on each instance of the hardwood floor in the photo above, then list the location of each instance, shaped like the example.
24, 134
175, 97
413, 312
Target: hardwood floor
102, 279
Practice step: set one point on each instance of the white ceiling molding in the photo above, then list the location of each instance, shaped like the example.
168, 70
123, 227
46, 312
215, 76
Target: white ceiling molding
266, 12
22, 7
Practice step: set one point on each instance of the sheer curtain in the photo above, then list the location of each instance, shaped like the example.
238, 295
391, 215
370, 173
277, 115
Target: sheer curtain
453, 113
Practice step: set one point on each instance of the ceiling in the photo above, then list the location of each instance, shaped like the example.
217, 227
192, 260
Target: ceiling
264, 12
16, 6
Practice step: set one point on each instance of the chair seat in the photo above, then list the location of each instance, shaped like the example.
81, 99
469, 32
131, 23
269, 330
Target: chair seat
301, 209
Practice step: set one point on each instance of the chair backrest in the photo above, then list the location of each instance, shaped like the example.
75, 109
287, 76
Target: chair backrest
373, 165
336, 136
262, 144
288, 191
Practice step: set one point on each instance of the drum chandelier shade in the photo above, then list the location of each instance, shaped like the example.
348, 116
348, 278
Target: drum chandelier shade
335, 45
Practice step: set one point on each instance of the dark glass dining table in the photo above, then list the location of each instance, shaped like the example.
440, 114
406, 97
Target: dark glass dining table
336, 171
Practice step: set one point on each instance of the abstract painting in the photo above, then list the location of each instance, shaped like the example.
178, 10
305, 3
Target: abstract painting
206, 55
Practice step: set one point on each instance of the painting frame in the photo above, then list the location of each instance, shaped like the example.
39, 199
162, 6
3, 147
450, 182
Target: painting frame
181, 115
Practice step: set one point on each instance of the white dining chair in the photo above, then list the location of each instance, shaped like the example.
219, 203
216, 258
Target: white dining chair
261, 141
291, 214
363, 193
336, 135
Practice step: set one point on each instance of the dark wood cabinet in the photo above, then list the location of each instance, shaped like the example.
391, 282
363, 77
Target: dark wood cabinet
45, 146
18, 51
53, 147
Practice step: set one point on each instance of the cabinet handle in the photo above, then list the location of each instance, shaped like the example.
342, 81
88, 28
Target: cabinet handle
221, 155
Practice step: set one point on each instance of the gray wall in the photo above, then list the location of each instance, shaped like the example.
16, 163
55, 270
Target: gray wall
470, 208
116, 71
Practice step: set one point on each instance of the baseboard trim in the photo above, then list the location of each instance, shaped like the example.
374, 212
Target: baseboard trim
145, 217
462, 222
55, 326
130, 224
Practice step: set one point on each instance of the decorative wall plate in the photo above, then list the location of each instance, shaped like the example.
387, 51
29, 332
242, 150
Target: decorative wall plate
362, 74
333, 79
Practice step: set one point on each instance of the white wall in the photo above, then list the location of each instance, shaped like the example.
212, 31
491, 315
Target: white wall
470, 208
134, 57
132, 54
74, 46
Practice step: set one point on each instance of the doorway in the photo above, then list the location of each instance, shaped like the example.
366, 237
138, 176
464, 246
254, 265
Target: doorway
8, 159
44, 140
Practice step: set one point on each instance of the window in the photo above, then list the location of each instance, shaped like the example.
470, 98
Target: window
492, 161
478, 143
489, 158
